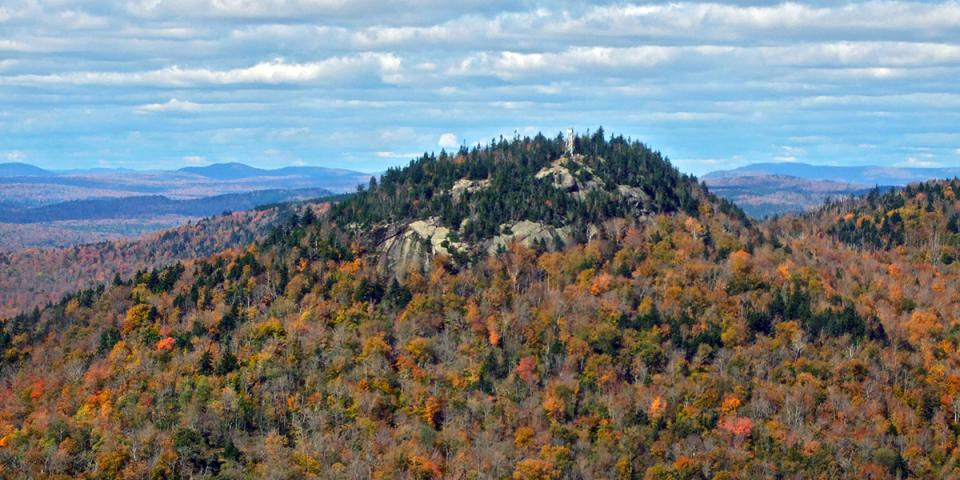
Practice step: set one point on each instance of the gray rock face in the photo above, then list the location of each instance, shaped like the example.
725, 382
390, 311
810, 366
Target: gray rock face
411, 247
528, 233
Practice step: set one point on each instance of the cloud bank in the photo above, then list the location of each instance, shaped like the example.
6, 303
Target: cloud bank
163, 83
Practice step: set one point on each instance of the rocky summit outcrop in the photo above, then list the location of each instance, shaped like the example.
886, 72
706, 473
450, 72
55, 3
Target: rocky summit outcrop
531, 192
572, 175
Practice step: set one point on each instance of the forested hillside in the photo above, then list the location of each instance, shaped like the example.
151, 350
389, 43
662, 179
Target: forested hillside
923, 217
657, 335
33, 277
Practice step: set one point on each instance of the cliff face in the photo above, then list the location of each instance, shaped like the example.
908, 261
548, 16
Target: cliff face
405, 248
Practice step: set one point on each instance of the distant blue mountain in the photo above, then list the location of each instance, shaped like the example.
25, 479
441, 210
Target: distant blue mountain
95, 171
152, 205
19, 169
236, 171
864, 175
226, 171
315, 172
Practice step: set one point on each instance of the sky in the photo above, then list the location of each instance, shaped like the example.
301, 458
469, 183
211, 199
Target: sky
365, 84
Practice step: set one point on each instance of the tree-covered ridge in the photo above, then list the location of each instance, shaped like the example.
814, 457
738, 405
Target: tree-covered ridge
919, 215
423, 188
673, 347
33, 277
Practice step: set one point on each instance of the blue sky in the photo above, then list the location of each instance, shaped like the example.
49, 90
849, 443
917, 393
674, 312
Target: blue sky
366, 84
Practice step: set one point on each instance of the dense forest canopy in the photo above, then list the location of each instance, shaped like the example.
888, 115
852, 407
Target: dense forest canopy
679, 343
422, 189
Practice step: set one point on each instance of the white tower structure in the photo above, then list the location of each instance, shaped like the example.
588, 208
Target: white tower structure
570, 139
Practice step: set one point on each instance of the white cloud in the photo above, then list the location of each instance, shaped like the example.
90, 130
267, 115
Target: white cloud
683, 116
923, 160
789, 153
332, 70
77, 19
194, 159
172, 105
341, 11
920, 162
727, 22
15, 156
793, 150
12, 45
320, 77
511, 65
393, 155
448, 140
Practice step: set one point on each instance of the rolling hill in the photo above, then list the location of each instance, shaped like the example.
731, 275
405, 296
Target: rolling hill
40, 208
154, 205
225, 171
761, 196
18, 169
237, 171
30, 278
870, 175
517, 310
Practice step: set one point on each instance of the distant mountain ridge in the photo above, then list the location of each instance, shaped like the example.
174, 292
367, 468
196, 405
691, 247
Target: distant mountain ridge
37, 205
102, 208
225, 171
218, 171
765, 195
869, 175
236, 171
764, 189
20, 169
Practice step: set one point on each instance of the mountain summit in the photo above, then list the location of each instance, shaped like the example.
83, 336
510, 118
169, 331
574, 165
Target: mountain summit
540, 192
